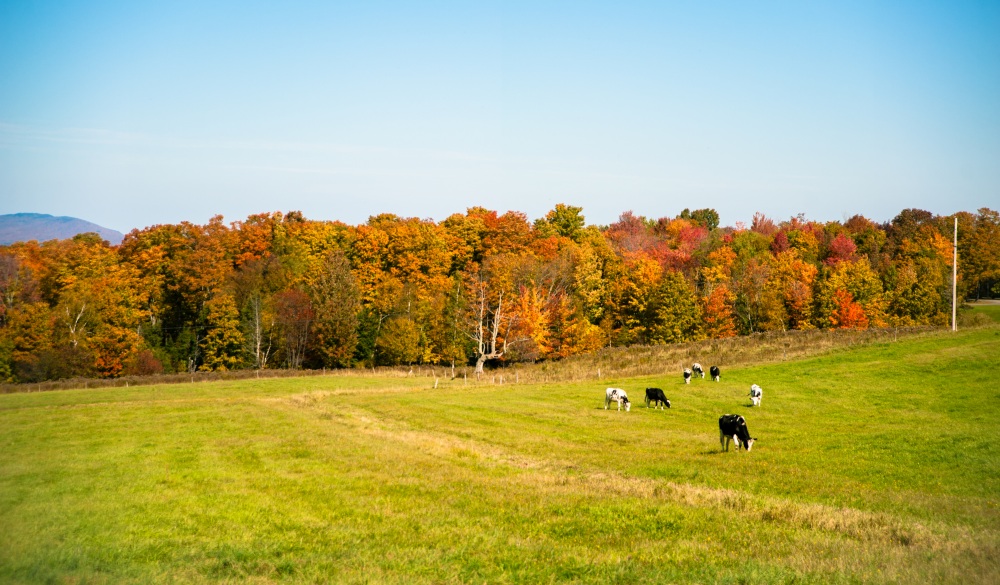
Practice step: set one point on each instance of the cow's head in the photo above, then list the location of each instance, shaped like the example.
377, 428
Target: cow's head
750, 441
668, 403
628, 404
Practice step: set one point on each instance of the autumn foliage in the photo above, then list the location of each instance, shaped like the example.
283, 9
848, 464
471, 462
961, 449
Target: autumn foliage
281, 291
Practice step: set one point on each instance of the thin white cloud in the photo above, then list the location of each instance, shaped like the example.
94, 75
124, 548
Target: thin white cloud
14, 136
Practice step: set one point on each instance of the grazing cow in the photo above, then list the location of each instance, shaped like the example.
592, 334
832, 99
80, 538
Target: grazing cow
687, 375
714, 371
734, 427
655, 395
756, 394
696, 368
616, 395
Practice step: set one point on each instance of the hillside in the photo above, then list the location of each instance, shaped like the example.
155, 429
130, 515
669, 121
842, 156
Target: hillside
873, 465
22, 227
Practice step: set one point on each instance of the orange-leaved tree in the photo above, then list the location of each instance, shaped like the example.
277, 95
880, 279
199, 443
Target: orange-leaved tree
847, 314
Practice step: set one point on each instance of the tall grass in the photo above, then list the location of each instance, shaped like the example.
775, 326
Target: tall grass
758, 348
607, 362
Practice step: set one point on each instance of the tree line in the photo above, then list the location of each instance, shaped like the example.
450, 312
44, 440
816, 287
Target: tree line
281, 291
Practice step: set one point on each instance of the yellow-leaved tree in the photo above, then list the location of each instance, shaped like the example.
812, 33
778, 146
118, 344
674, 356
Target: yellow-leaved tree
863, 288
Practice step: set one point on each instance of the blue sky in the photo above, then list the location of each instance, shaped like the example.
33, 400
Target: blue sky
130, 114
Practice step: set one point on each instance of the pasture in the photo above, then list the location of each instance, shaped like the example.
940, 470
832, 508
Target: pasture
989, 308
876, 464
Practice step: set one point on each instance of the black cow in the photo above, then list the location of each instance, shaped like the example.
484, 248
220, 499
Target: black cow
714, 371
687, 375
734, 427
697, 369
655, 395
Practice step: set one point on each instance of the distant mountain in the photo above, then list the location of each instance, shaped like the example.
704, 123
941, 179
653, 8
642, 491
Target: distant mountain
21, 227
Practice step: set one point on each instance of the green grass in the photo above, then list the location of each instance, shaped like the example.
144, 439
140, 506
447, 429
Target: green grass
875, 464
991, 311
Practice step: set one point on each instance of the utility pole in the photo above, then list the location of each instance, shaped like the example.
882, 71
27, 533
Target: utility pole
954, 281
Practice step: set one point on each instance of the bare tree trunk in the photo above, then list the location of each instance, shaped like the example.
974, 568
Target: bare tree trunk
489, 326
479, 364
487, 329
260, 352
74, 323
378, 330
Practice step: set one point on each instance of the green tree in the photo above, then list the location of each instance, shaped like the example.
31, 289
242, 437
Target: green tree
222, 346
441, 316
753, 302
706, 217
913, 291
675, 314
399, 342
336, 302
564, 220
979, 253
254, 284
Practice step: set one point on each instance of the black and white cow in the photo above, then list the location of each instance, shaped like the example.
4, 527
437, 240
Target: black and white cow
655, 395
733, 427
687, 375
714, 371
616, 395
697, 369
756, 394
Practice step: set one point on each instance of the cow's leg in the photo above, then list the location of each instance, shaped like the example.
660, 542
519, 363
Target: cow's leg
723, 439
736, 441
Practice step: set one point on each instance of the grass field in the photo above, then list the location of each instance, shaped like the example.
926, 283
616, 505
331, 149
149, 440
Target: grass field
874, 464
990, 310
